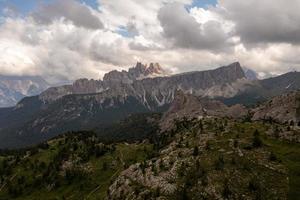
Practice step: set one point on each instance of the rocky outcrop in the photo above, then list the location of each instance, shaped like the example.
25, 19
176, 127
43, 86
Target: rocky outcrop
283, 108
189, 106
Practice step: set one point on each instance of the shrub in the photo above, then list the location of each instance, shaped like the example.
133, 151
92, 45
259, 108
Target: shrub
257, 142
219, 164
254, 184
273, 157
235, 143
226, 191
196, 151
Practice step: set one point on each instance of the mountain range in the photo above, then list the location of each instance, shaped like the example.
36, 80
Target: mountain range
15, 88
87, 104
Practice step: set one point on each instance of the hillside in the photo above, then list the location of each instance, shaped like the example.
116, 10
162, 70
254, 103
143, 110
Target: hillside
72, 166
214, 159
199, 158
283, 109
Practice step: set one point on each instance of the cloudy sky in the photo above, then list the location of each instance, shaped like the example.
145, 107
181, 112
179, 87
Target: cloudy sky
70, 39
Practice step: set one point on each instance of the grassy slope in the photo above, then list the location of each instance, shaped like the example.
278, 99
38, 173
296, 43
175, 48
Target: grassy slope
289, 154
93, 186
254, 164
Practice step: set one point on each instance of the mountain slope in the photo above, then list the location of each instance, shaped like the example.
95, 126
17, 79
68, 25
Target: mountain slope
284, 109
262, 90
73, 166
209, 158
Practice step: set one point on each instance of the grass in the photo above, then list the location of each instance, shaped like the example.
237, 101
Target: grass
93, 186
254, 163
289, 154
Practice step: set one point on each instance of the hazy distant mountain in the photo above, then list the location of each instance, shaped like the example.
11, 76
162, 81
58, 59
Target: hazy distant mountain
250, 74
262, 90
14, 88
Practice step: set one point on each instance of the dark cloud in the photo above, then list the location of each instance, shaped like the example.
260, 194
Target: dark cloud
266, 21
186, 32
71, 10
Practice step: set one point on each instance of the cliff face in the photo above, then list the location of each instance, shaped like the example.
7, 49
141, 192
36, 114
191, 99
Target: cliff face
150, 84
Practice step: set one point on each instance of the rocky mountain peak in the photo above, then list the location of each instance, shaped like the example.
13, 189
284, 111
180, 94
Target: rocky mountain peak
140, 67
141, 71
235, 68
155, 68
138, 72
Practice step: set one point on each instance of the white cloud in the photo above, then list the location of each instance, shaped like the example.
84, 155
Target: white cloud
70, 10
266, 21
185, 32
65, 47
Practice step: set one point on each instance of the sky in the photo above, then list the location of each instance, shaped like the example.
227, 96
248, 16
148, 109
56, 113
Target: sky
64, 40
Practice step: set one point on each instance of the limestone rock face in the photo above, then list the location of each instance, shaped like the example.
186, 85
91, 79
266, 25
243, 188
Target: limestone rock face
151, 85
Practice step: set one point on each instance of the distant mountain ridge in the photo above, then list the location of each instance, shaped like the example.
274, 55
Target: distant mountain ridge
87, 104
153, 81
250, 74
262, 90
14, 88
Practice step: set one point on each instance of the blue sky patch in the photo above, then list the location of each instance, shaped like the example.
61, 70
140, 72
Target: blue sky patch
203, 3
26, 6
